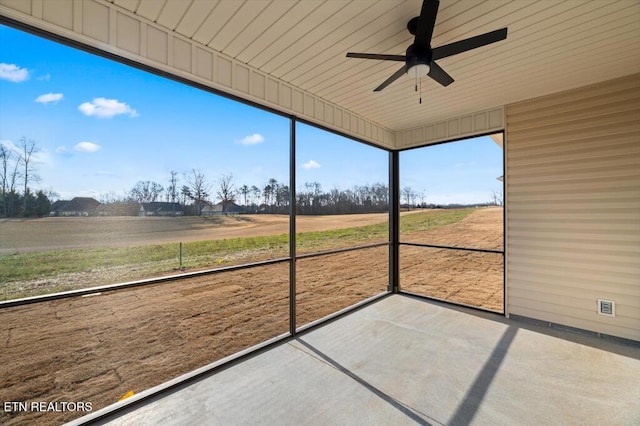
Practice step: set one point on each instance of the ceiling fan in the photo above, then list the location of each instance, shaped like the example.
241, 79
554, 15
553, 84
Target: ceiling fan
420, 58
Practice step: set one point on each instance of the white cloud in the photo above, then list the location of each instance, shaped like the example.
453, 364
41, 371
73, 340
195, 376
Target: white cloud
13, 73
106, 108
252, 139
45, 77
87, 147
311, 164
79, 147
49, 97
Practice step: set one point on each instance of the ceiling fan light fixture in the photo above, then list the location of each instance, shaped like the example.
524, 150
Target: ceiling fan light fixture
418, 70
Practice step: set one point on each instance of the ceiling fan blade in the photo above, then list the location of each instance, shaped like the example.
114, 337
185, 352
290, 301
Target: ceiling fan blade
439, 75
377, 56
426, 24
468, 44
391, 79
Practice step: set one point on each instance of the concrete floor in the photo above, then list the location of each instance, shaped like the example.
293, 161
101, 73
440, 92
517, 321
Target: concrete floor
403, 361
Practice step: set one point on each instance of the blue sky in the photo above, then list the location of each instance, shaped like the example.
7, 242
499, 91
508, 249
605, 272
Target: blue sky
102, 126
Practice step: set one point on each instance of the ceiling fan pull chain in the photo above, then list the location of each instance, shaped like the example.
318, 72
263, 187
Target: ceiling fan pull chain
420, 91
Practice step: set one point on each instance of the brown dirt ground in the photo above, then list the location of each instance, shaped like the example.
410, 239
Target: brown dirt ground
470, 278
100, 347
57, 233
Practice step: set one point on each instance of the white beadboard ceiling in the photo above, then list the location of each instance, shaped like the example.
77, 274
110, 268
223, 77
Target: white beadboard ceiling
552, 45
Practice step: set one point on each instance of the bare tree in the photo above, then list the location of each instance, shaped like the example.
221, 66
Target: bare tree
244, 190
28, 148
314, 193
255, 193
186, 194
282, 196
498, 199
9, 176
407, 192
198, 188
146, 191
226, 191
273, 183
381, 194
266, 193
110, 197
172, 189
5, 157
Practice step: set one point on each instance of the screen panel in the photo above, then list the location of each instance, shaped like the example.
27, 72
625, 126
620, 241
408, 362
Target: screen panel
328, 283
342, 192
451, 194
96, 349
114, 174
460, 276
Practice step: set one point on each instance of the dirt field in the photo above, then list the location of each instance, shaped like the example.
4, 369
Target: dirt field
100, 347
56, 233
466, 277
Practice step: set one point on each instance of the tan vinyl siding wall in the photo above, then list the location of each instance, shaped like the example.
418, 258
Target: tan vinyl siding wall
573, 206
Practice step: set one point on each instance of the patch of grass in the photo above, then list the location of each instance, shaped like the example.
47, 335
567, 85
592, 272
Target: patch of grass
325, 240
144, 261
39, 264
423, 221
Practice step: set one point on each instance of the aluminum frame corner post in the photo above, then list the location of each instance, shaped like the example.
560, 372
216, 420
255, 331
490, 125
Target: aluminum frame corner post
292, 226
394, 221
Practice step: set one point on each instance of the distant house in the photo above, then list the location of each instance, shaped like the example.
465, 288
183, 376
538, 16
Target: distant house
78, 206
160, 209
222, 208
208, 209
118, 208
56, 206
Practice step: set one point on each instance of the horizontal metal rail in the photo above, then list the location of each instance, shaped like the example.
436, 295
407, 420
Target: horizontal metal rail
158, 280
138, 283
168, 278
340, 250
453, 248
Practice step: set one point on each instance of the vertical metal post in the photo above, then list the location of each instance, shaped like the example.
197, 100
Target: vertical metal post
504, 222
394, 221
292, 226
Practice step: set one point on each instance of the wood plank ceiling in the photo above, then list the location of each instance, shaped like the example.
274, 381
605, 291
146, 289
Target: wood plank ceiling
551, 46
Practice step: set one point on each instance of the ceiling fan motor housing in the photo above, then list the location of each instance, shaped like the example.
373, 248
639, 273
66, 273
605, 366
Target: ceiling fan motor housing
418, 60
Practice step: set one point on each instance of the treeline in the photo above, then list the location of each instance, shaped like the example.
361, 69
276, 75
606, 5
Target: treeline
17, 172
195, 191
16, 204
312, 199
